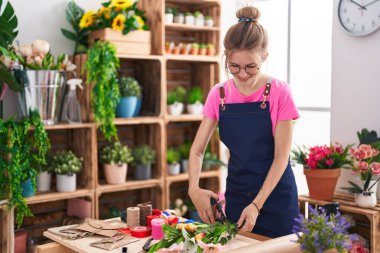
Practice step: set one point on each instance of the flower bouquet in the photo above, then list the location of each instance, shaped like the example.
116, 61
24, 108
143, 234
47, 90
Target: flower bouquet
195, 237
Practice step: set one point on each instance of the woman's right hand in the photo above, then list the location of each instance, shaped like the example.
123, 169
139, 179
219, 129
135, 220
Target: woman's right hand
201, 199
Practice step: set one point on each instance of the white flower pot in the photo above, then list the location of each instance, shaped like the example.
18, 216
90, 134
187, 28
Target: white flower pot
209, 22
184, 165
66, 182
115, 173
173, 169
175, 109
366, 199
189, 20
200, 21
43, 181
179, 19
169, 18
195, 109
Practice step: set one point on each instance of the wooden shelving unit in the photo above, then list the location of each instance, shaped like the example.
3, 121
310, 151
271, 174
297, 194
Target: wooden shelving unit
157, 73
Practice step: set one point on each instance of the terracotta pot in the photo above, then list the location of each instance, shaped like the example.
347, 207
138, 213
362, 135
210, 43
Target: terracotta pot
322, 182
21, 237
115, 174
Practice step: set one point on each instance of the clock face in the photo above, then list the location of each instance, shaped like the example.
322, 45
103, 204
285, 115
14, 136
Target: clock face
359, 17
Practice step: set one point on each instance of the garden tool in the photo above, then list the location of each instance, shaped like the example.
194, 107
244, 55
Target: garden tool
221, 216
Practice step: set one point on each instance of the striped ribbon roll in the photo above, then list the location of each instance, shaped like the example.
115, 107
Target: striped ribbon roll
145, 210
133, 217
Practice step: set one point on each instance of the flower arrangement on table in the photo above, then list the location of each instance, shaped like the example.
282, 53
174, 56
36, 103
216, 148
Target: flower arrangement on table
195, 237
323, 157
322, 231
364, 166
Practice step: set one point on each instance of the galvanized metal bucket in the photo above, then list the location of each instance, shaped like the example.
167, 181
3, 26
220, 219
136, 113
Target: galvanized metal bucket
43, 90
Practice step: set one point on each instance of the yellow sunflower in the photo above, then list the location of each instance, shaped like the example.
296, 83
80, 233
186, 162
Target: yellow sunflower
139, 21
104, 11
121, 4
86, 20
118, 22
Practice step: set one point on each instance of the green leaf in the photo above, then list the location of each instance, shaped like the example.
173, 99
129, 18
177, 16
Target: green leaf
9, 79
69, 35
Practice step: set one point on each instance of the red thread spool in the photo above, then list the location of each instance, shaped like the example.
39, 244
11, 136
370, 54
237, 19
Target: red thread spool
141, 232
149, 219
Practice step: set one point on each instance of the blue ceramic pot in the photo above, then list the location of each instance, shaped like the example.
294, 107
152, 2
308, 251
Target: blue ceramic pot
126, 107
27, 188
138, 107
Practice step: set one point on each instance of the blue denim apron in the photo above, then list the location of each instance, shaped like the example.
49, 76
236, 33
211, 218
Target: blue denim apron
246, 130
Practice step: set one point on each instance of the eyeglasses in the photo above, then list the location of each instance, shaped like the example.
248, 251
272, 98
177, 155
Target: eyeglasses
249, 69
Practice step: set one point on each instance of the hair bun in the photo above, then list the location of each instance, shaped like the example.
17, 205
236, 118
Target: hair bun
248, 12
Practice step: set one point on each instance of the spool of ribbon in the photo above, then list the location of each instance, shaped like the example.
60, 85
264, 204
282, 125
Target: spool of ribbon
157, 232
141, 232
133, 217
149, 219
145, 210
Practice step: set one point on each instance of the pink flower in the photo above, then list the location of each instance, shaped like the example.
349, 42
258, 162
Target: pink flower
357, 154
375, 167
210, 248
375, 152
174, 248
362, 166
367, 150
358, 247
330, 162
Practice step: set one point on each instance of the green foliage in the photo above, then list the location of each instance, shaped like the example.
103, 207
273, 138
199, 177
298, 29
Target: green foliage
198, 14
115, 153
101, 66
184, 150
211, 160
195, 95
66, 162
8, 27
73, 15
143, 155
22, 152
173, 156
129, 87
177, 95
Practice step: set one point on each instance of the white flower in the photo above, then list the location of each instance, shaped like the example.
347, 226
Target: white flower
26, 50
38, 60
41, 47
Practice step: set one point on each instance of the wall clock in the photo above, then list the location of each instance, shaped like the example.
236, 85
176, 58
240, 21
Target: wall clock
359, 17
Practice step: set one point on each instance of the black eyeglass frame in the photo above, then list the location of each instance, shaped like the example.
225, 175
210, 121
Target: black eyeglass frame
245, 69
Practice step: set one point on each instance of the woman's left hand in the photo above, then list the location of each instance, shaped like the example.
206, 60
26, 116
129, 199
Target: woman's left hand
249, 215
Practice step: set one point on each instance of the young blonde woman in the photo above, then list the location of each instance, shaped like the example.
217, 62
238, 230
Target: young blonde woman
254, 113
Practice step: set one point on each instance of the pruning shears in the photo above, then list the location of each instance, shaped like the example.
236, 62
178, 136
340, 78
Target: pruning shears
221, 216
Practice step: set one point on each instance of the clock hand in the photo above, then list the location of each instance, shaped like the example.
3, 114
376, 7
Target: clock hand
361, 6
370, 3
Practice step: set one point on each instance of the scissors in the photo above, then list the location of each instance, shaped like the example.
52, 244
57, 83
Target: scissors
221, 217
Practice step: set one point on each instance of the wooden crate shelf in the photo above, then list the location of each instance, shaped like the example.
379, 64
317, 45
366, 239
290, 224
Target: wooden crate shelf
54, 196
129, 185
185, 176
138, 120
184, 27
184, 118
367, 220
69, 126
141, 57
192, 58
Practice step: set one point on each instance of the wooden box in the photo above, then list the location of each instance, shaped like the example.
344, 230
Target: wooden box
135, 42
367, 220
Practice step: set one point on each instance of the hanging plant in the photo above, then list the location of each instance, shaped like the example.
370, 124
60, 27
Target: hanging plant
21, 154
101, 66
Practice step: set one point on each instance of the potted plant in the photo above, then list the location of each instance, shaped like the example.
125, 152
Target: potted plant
322, 232
118, 22
365, 166
176, 49
172, 157
169, 15
130, 92
210, 49
44, 177
66, 165
322, 167
202, 49
209, 21
175, 100
22, 153
169, 46
194, 49
185, 48
189, 18
195, 101
199, 18
143, 158
179, 18
101, 66
184, 150
211, 161
115, 158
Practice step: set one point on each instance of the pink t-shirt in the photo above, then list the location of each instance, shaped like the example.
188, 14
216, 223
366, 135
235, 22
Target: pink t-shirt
282, 106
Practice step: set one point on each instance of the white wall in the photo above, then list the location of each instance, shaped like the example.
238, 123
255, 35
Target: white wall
355, 94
